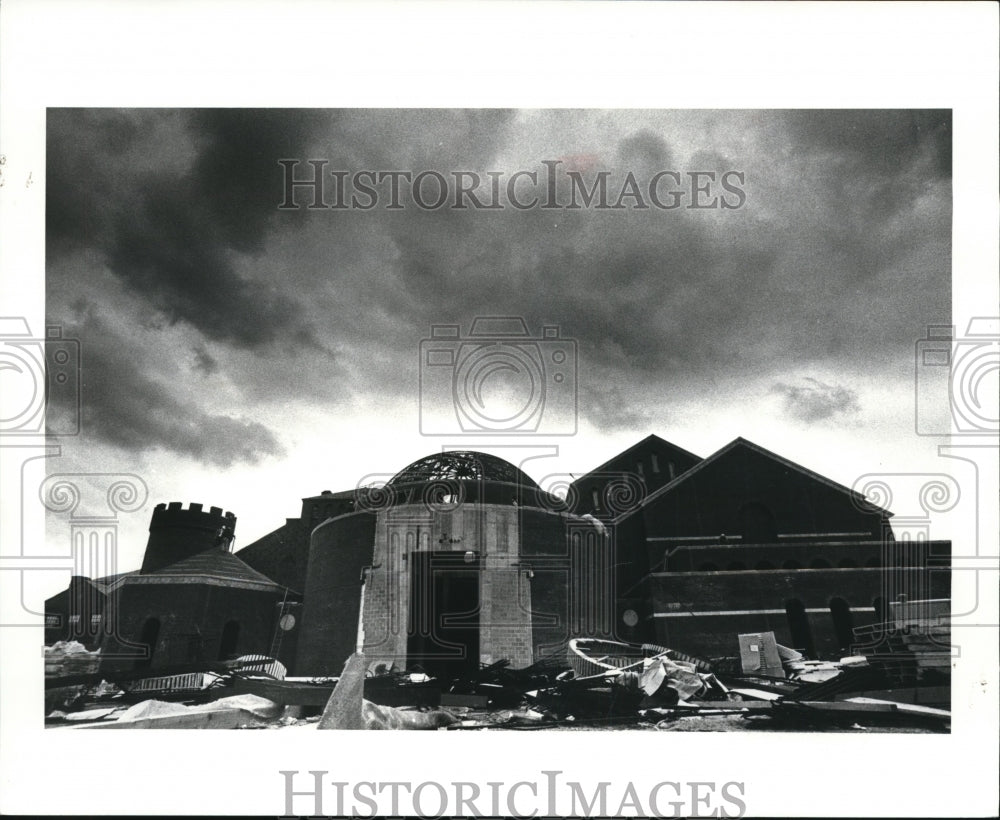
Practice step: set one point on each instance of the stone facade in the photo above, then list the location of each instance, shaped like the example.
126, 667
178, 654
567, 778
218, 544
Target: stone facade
489, 534
511, 566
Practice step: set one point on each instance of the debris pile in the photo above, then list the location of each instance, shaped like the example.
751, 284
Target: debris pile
65, 661
595, 684
70, 658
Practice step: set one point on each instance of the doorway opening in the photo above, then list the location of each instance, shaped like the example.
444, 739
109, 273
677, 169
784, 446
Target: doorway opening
798, 625
230, 637
148, 637
843, 623
443, 633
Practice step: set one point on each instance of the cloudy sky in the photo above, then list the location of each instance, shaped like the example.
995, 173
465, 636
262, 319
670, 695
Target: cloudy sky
245, 356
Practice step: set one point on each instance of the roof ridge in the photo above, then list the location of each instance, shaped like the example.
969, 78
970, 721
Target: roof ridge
632, 447
195, 562
739, 440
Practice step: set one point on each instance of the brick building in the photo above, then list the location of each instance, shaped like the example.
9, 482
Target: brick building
77, 613
192, 602
468, 561
748, 541
465, 560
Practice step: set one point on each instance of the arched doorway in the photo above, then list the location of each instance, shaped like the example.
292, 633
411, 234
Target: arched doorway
230, 638
148, 637
843, 623
881, 610
798, 625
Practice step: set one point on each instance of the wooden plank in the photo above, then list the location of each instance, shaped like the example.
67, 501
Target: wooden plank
725, 705
908, 708
845, 706
758, 694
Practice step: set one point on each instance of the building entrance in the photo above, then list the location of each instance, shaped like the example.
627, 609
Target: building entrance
443, 633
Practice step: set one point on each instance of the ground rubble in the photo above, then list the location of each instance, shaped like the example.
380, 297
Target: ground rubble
642, 687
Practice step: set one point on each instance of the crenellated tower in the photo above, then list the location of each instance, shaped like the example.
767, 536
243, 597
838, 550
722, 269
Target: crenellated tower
176, 533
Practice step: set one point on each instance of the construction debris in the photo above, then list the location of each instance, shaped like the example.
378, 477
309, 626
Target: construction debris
70, 658
64, 662
596, 684
390, 717
236, 712
759, 655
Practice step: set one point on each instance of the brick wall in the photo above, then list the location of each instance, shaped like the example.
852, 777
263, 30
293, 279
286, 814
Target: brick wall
528, 593
492, 533
339, 549
709, 501
76, 614
281, 555
573, 588
756, 602
192, 618
814, 553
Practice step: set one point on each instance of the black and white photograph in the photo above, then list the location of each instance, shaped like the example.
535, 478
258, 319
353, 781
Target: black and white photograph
621, 454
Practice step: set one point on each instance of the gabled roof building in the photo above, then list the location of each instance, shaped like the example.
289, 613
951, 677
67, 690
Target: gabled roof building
461, 559
748, 541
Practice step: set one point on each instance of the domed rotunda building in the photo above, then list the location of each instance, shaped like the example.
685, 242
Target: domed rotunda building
465, 560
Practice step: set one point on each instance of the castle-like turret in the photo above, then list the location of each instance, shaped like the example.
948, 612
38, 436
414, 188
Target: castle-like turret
176, 533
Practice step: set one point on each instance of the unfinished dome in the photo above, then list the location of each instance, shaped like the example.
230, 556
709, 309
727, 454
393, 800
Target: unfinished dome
462, 465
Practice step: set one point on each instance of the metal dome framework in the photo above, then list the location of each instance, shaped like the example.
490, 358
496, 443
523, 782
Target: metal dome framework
462, 465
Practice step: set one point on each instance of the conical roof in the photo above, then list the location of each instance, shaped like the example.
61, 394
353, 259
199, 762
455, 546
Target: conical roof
213, 565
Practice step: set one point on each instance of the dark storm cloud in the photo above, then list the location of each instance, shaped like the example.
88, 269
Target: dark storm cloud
883, 141
130, 408
839, 252
173, 231
626, 285
641, 292
85, 152
236, 176
874, 170
814, 400
169, 248
843, 220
